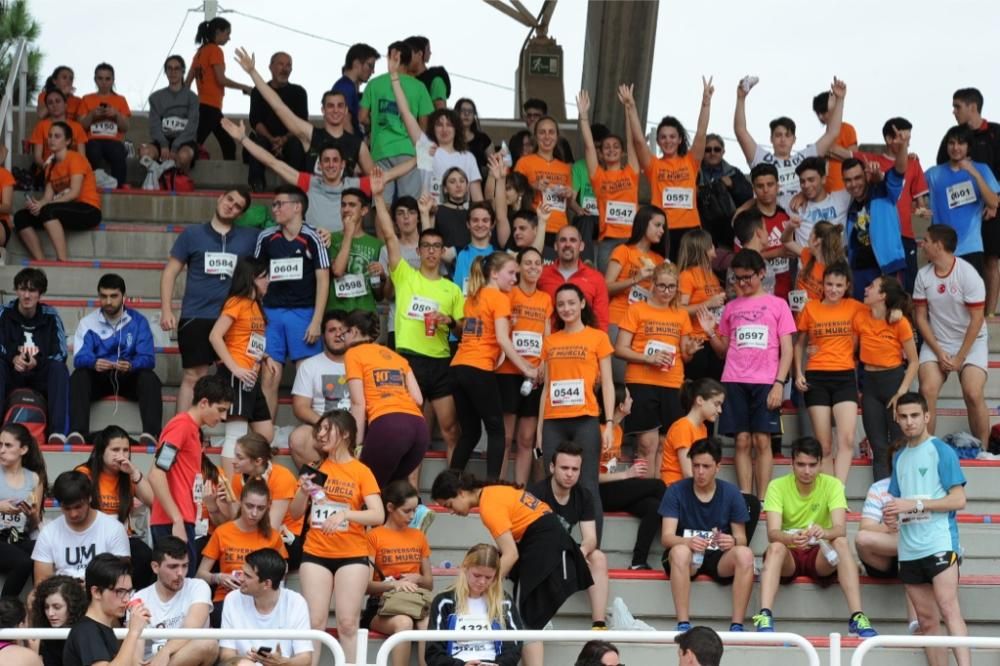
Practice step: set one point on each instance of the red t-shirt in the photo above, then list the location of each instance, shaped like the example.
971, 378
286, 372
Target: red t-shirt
182, 433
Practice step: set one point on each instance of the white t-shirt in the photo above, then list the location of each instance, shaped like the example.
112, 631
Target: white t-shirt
833, 208
324, 382
70, 551
440, 163
477, 618
948, 299
170, 614
788, 180
291, 612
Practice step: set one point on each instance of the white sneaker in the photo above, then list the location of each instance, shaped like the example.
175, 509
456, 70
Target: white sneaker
749, 82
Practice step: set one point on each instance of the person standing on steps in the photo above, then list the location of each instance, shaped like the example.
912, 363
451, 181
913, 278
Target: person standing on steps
209, 251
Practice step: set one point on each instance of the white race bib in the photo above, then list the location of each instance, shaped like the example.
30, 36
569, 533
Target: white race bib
104, 128
779, 264
654, 346
552, 196
473, 650
566, 393
16, 521
286, 269
256, 346
419, 306
590, 205
797, 299
201, 527
619, 212
173, 124
707, 535
752, 337
434, 187
638, 294
323, 510
914, 517
527, 343
220, 263
678, 197
198, 490
349, 286
960, 194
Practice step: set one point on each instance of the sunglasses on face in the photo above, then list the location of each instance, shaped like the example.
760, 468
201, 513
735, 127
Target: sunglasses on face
713, 149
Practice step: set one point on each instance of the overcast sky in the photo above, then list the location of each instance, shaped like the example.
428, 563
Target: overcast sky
898, 57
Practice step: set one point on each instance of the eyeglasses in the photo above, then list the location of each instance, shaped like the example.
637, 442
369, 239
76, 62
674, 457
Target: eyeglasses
713, 149
432, 246
659, 286
744, 279
122, 592
278, 204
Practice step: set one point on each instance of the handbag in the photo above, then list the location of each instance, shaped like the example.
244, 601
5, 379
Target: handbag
412, 604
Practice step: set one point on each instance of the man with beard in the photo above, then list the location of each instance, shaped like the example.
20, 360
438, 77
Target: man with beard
113, 353
320, 385
569, 268
210, 252
176, 602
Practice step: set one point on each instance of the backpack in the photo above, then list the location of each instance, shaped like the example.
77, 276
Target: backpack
28, 408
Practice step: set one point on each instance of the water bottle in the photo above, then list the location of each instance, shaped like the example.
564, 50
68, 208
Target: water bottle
697, 559
526, 386
829, 552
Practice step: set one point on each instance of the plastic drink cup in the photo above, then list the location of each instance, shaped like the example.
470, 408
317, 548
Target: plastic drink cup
430, 324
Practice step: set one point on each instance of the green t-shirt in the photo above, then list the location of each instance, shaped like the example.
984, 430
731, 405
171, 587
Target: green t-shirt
353, 291
584, 190
415, 294
389, 136
797, 512
438, 89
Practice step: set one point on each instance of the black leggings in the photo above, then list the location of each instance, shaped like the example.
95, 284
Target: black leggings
142, 559
110, 152
477, 403
640, 498
72, 215
16, 565
209, 122
879, 425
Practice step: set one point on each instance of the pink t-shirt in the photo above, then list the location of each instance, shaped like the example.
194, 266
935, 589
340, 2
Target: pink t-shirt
754, 327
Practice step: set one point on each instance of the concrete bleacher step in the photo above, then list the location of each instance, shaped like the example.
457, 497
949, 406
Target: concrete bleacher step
78, 279
116, 240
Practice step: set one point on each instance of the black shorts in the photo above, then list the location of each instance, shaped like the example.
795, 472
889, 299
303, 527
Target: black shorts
333, 564
192, 338
709, 567
991, 237
977, 259
828, 388
247, 403
892, 573
433, 374
924, 570
512, 400
653, 408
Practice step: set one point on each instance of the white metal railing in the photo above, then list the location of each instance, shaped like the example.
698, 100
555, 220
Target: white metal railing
583, 635
921, 642
19, 69
339, 659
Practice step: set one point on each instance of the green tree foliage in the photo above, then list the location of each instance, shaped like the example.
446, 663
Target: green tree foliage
16, 21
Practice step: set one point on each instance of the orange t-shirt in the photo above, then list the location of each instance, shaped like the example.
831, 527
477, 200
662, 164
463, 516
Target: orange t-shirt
673, 183
615, 452
107, 491
812, 283
383, 376
831, 333
347, 485
58, 175
104, 128
509, 509
656, 329
40, 135
834, 168
210, 90
631, 259
572, 368
72, 104
397, 552
682, 435
694, 282
528, 315
283, 486
556, 174
617, 194
6, 180
229, 546
478, 347
881, 342
245, 338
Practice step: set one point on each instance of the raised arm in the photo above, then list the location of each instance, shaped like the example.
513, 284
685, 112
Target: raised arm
265, 157
413, 128
633, 157
589, 150
302, 129
746, 141
698, 145
498, 170
638, 139
383, 220
839, 91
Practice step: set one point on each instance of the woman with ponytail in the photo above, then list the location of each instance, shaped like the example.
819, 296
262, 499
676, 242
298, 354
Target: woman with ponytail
536, 552
486, 341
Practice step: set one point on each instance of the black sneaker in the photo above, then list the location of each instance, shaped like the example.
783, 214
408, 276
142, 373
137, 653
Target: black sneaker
57, 439
74, 439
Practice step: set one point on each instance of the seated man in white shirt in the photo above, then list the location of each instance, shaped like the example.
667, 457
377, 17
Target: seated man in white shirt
176, 602
68, 544
261, 603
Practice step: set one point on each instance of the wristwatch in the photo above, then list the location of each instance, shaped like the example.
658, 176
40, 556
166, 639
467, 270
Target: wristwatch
919, 506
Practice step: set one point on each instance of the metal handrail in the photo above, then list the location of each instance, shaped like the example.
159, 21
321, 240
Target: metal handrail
922, 641
584, 635
19, 68
326, 639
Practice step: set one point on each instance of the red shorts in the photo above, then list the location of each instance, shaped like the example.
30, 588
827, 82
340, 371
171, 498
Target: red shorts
805, 565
